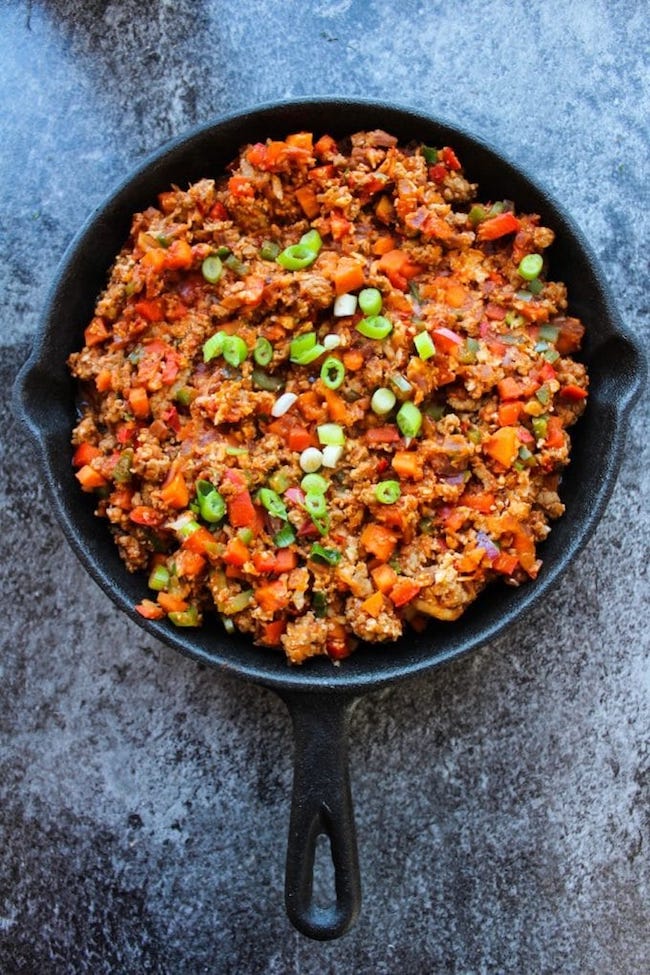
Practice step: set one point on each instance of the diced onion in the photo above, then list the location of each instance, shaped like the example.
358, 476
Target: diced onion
332, 454
311, 459
345, 305
283, 403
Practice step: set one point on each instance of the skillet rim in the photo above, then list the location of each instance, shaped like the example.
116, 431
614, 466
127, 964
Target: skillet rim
319, 674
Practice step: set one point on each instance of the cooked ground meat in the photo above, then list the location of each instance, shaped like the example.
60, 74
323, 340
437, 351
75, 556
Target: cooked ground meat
326, 395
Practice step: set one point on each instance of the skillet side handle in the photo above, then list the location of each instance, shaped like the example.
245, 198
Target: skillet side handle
321, 804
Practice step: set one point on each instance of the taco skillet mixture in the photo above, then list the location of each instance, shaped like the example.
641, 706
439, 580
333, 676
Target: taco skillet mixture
327, 395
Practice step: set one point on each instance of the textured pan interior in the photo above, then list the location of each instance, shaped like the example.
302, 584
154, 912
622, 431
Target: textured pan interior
46, 393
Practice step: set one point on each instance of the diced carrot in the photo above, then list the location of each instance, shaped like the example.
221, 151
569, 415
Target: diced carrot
241, 510
150, 610
285, 560
456, 295
445, 340
525, 549
554, 436
201, 541
236, 553
320, 174
271, 633
179, 257
353, 360
510, 389
503, 446
383, 245
310, 405
151, 309
499, 226
167, 201
96, 332
573, 393
188, 564
171, 603
398, 268
337, 408
349, 275
470, 561
89, 478
509, 413
505, 563
325, 147
407, 464
378, 540
339, 225
156, 259
454, 519
122, 497
385, 434
299, 438
104, 380
306, 197
272, 596
338, 643
301, 140
482, 501
384, 577
404, 591
174, 491
384, 210
218, 211
570, 337
239, 186
373, 605
84, 453
264, 561
139, 402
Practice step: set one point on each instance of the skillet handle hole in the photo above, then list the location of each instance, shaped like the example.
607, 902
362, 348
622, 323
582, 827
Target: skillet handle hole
324, 878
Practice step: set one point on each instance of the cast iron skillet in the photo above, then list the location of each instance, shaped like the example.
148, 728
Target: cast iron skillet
319, 695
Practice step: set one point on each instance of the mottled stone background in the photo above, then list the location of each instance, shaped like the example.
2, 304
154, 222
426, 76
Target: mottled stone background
502, 802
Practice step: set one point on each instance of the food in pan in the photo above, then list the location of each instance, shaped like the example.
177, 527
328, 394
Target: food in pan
327, 395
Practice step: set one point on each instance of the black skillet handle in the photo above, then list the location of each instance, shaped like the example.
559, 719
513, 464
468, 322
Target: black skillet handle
321, 804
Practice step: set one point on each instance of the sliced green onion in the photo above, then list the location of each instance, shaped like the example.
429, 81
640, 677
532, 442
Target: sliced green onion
238, 602
245, 535
305, 349
549, 333
263, 351
235, 350
311, 459
530, 266
535, 286
319, 602
332, 372
212, 268
332, 341
314, 484
424, 345
269, 250
212, 506
409, 419
388, 492
370, 301
284, 537
383, 400
236, 451
345, 305
186, 527
543, 395
331, 433
322, 522
332, 454
280, 480
315, 505
302, 254
401, 384
237, 266
214, 346
122, 473
184, 395
223, 251
375, 327
159, 578
273, 503
329, 556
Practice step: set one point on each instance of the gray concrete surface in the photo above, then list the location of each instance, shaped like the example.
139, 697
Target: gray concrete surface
502, 802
